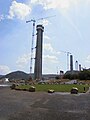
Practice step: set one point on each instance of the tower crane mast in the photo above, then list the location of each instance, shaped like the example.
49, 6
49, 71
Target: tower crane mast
32, 44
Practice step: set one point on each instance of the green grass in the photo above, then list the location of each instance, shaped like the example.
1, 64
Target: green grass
57, 88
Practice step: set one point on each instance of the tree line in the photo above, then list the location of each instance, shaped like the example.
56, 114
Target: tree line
82, 75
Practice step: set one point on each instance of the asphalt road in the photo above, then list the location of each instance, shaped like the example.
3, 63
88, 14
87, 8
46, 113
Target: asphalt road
23, 105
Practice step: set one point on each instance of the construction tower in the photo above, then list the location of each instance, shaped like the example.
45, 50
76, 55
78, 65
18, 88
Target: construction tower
38, 56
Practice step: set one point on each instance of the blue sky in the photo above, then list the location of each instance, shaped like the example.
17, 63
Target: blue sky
68, 31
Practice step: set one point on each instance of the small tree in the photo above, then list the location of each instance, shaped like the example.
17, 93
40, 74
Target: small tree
13, 86
71, 76
84, 75
57, 77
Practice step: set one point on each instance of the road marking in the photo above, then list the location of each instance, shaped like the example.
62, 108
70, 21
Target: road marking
45, 102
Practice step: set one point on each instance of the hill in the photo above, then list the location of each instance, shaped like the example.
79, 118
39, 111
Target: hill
16, 75
19, 75
1, 76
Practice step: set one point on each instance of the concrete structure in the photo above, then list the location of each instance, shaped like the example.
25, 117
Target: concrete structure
76, 65
38, 58
71, 63
79, 67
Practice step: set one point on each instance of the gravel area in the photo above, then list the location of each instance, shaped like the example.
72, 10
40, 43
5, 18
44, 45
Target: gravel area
23, 105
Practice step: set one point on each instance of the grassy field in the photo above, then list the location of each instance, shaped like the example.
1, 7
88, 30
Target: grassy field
57, 88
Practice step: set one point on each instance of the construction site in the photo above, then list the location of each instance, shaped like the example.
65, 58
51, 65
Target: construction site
38, 49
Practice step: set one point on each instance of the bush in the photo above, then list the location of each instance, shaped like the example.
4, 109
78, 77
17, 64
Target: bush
74, 90
51, 91
71, 76
32, 89
84, 75
13, 86
57, 77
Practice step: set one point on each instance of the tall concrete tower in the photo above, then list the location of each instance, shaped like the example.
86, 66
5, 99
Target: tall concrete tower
71, 63
76, 65
38, 58
79, 67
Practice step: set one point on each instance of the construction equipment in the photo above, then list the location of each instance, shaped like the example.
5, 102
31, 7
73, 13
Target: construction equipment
32, 44
33, 34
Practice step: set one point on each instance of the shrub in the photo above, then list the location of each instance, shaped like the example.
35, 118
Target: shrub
32, 89
13, 86
51, 91
74, 90
84, 75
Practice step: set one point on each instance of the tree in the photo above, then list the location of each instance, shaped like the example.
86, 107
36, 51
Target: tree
71, 76
84, 75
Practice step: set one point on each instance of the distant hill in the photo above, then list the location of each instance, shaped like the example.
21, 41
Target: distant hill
19, 75
1, 76
16, 75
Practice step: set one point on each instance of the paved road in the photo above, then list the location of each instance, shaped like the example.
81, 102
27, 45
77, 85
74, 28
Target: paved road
22, 105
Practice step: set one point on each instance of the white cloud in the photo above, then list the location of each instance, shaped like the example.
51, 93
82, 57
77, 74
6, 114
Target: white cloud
50, 59
88, 59
1, 17
4, 69
46, 37
44, 22
62, 5
45, 3
19, 10
49, 63
48, 47
23, 60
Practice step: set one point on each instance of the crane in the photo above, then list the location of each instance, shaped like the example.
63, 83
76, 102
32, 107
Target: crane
32, 44
33, 34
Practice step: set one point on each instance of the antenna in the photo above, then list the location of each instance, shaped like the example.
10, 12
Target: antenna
33, 34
